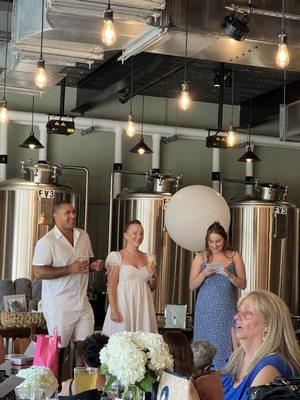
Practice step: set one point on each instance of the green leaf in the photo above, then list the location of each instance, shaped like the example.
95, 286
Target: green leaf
110, 379
146, 384
104, 369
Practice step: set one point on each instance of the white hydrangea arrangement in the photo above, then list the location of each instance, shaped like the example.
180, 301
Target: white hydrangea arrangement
39, 377
135, 358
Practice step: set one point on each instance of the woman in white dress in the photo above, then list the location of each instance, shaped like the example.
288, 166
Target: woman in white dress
131, 278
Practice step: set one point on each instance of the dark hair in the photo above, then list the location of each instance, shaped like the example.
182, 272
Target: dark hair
132, 222
181, 350
57, 206
217, 228
204, 352
91, 348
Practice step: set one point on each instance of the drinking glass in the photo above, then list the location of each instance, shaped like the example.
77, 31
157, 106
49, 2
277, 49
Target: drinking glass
85, 378
83, 257
29, 393
151, 265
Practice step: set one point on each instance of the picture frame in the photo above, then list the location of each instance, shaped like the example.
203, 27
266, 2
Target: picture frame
15, 303
175, 316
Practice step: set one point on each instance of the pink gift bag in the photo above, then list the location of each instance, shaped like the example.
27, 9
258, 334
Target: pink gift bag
46, 351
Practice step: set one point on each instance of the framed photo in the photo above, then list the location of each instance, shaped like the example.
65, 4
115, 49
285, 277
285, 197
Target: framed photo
15, 303
175, 316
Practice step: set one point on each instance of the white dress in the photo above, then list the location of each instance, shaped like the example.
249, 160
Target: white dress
135, 301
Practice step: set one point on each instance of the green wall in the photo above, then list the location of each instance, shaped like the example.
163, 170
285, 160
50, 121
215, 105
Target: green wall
188, 157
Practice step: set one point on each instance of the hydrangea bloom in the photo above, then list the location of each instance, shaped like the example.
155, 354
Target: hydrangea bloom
39, 377
135, 358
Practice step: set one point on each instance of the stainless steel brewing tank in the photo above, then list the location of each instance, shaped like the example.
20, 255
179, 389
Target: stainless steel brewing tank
267, 236
172, 260
25, 216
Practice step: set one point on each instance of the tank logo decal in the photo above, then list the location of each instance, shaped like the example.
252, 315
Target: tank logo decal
48, 194
3, 158
280, 210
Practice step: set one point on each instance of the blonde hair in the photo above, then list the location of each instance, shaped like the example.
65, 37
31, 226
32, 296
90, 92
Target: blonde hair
280, 337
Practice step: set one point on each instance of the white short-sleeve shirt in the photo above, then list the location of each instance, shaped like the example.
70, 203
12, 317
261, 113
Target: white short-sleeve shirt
68, 292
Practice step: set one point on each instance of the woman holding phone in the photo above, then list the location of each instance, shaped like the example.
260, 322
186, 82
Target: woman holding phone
217, 272
131, 277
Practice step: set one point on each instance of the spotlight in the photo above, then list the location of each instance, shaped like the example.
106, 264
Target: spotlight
236, 28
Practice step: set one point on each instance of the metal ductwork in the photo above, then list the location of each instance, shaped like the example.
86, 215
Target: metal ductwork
71, 35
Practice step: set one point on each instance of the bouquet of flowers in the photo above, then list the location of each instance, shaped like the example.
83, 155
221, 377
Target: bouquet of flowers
135, 359
39, 377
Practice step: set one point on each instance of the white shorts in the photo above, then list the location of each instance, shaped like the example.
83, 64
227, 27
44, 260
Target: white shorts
76, 325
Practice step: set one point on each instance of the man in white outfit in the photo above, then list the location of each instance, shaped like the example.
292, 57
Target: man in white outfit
62, 259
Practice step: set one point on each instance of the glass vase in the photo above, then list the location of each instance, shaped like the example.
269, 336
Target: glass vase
133, 392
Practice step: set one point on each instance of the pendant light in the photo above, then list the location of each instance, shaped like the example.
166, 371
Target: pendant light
249, 155
282, 56
184, 99
141, 147
130, 129
108, 35
231, 134
40, 74
4, 116
32, 142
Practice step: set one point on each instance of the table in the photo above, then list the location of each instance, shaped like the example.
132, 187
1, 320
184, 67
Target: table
19, 333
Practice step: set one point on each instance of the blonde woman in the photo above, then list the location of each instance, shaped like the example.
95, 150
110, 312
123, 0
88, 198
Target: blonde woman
268, 345
131, 278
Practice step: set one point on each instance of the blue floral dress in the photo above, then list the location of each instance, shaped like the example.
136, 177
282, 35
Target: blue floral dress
214, 313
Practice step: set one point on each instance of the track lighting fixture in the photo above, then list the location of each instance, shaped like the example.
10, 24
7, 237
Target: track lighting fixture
184, 99
234, 27
4, 116
40, 74
32, 142
108, 35
282, 56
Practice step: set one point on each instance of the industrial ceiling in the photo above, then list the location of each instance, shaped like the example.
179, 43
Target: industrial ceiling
154, 32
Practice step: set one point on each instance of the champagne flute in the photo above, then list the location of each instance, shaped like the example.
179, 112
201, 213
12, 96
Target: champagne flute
151, 266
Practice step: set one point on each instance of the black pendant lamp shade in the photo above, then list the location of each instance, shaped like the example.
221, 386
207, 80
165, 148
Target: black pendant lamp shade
249, 156
32, 142
141, 148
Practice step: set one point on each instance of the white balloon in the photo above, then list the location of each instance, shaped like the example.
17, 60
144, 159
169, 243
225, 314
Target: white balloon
191, 211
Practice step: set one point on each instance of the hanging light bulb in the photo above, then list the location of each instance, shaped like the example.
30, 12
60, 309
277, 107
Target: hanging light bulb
4, 116
184, 99
108, 36
40, 78
40, 75
130, 129
231, 136
282, 56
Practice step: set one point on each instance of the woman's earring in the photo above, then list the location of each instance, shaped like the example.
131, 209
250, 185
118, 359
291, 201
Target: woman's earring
264, 336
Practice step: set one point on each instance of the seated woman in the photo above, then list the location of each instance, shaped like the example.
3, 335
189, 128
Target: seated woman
91, 348
268, 345
181, 350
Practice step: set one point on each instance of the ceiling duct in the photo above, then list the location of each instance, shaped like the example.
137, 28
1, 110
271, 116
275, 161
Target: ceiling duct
71, 34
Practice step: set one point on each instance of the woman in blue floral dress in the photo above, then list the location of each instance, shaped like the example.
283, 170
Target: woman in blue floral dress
217, 273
